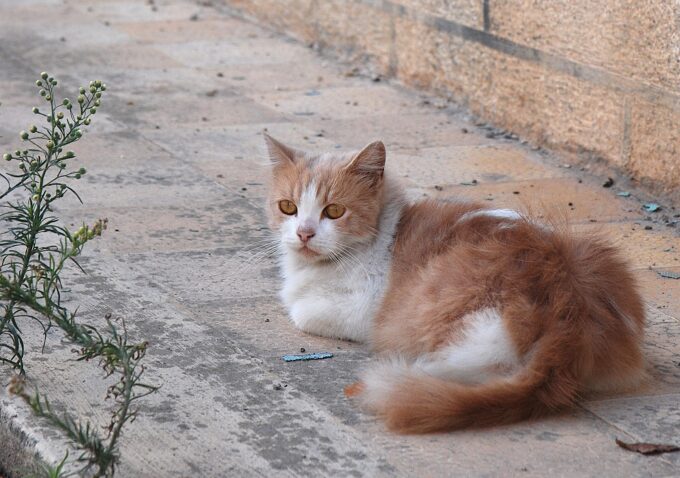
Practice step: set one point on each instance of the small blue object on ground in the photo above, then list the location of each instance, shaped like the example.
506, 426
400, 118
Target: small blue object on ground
652, 207
315, 356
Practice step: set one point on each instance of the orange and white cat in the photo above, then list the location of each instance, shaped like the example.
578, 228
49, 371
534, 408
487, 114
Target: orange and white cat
480, 316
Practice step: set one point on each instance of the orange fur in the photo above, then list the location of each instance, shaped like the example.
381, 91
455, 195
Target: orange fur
569, 304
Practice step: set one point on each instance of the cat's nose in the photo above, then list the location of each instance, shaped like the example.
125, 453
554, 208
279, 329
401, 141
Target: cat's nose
305, 234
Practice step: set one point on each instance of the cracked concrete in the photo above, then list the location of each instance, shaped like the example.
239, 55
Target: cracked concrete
175, 160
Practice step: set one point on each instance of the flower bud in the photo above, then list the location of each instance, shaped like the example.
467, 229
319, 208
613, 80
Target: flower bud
50, 145
60, 115
82, 171
69, 154
36, 198
97, 102
54, 82
48, 98
23, 135
17, 153
93, 89
33, 128
66, 102
38, 83
87, 121
103, 88
98, 94
81, 99
49, 119
35, 110
93, 110
97, 83
7, 157
77, 176
43, 92
44, 75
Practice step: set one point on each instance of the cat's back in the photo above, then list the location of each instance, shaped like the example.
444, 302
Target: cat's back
429, 227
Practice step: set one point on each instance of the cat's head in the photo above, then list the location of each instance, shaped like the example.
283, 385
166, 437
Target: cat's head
325, 205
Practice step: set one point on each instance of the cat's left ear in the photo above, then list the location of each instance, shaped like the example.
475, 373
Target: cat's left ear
369, 162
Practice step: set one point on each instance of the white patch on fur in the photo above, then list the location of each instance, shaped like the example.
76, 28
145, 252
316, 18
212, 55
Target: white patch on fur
485, 352
338, 298
496, 213
486, 349
380, 380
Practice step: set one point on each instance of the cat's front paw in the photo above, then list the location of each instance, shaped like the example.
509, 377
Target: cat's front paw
309, 319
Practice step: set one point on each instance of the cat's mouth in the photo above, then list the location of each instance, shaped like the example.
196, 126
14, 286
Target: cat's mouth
308, 252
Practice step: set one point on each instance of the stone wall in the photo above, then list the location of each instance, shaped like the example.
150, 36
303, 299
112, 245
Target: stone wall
595, 79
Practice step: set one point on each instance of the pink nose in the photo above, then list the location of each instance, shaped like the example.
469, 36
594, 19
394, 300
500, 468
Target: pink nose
305, 234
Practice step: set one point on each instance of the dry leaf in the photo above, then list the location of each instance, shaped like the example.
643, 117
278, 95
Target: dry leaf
647, 448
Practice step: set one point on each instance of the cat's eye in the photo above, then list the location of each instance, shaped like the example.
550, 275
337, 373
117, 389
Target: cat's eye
334, 211
287, 207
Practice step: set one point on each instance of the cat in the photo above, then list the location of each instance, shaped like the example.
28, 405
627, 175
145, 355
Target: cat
479, 316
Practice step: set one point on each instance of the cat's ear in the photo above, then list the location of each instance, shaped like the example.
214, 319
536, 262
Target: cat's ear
279, 153
369, 162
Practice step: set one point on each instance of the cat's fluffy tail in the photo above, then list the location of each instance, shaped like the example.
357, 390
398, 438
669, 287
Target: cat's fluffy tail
412, 401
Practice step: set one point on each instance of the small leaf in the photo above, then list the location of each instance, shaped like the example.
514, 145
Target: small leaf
647, 448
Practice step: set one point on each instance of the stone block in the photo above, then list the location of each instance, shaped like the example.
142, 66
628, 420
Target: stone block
635, 39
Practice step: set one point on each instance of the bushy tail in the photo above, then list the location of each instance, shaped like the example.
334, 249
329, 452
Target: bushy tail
411, 401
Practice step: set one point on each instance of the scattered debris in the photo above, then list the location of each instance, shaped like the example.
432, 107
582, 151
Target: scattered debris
438, 187
651, 207
515, 192
464, 130
647, 448
648, 228
302, 357
608, 183
623, 194
211, 93
469, 183
238, 78
669, 274
220, 74
353, 72
312, 93
194, 17
302, 350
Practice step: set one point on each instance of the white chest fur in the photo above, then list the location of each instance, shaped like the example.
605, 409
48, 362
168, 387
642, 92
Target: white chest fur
340, 299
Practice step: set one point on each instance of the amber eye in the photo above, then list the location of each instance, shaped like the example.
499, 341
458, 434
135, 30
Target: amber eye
287, 207
334, 211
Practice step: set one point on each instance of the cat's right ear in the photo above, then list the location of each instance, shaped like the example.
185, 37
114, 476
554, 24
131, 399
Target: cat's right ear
279, 153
